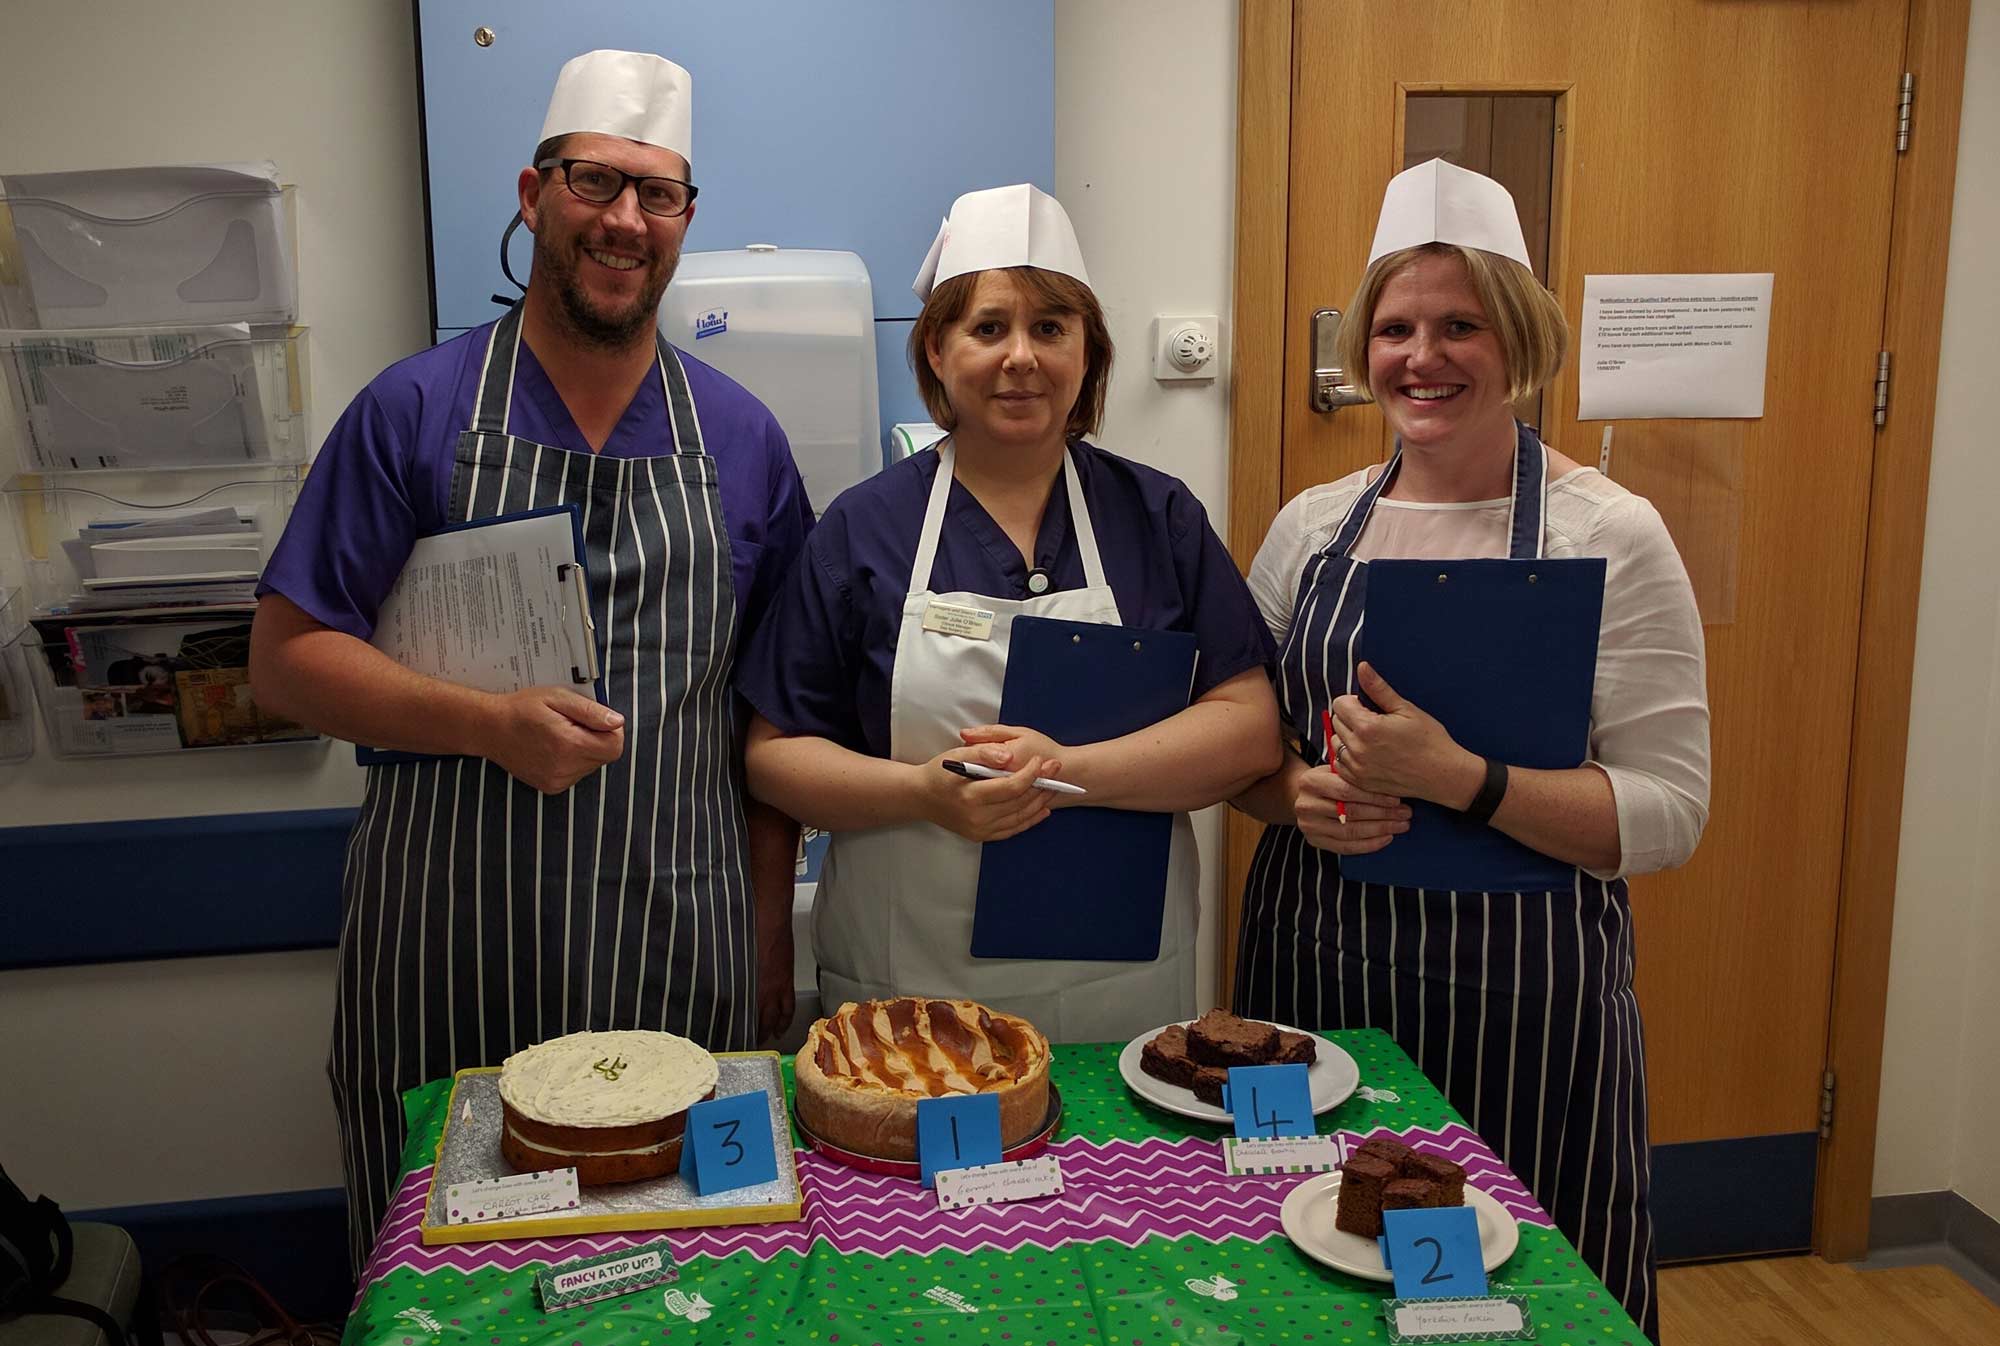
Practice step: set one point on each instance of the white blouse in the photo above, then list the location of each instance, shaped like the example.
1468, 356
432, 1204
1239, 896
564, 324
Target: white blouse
1649, 710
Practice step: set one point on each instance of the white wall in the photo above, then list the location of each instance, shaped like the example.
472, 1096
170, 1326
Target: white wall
1155, 209
1940, 1089
206, 1077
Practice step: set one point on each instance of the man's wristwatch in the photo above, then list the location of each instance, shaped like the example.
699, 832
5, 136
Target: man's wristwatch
1480, 810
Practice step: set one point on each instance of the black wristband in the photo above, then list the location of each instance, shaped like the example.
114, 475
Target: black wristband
1480, 810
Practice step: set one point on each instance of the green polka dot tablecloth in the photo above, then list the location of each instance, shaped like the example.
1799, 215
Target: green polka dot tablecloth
1150, 1242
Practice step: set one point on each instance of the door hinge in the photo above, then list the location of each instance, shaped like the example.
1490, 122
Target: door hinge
1826, 1105
1881, 388
1905, 96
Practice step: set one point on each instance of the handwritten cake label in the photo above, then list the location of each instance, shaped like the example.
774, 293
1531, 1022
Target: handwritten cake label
506, 1197
1289, 1154
989, 1184
1498, 1318
606, 1275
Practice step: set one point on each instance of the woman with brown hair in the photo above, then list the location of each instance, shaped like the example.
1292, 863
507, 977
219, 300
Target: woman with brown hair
886, 653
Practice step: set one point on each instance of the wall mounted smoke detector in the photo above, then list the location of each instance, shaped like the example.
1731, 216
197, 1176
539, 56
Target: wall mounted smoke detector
1187, 347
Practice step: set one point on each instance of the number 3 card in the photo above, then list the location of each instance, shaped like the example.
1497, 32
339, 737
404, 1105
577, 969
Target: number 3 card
728, 1144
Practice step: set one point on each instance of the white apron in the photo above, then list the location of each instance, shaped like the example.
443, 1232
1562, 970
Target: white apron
893, 912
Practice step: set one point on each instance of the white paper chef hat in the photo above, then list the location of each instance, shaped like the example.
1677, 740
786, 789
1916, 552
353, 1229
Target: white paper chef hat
633, 94
1001, 226
1437, 202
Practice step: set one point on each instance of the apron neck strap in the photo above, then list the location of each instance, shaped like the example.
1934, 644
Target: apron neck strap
1531, 496
496, 377
1350, 528
927, 540
680, 401
1525, 512
494, 402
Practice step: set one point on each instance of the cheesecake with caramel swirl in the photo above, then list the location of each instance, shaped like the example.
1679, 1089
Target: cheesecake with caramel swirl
864, 1069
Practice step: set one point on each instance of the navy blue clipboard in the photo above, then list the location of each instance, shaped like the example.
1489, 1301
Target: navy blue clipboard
365, 756
1504, 654
1084, 883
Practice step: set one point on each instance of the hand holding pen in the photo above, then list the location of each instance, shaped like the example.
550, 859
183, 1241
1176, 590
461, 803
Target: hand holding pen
977, 797
1334, 815
1333, 761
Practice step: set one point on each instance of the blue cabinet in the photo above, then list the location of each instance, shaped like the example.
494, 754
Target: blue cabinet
816, 125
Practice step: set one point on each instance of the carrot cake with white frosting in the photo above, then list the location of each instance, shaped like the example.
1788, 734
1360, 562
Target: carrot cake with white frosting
611, 1105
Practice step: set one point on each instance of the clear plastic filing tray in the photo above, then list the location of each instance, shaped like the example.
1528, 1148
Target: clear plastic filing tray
77, 560
17, 721
150, 398
135, 685
122, 247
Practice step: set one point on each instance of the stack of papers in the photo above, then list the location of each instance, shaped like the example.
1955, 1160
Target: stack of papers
192, 557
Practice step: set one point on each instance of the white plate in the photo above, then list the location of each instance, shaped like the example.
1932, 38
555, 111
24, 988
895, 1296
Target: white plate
1308, 1215
1332, 1075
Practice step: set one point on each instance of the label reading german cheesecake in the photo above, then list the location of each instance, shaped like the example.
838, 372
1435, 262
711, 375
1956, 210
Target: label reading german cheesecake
988, 1184
606, 1275
506, 1197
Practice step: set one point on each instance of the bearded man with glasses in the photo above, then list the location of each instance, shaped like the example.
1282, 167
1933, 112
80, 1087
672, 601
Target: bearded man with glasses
556, 859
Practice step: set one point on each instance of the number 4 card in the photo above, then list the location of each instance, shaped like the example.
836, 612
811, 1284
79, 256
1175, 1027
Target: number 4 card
1269, 1101
728, 1144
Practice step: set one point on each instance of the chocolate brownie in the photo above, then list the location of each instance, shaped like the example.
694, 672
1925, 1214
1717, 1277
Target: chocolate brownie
1408, 1194
1166, 1057
1363, 1180
1208, 1082
1295, 1049
1394, 1151
1219, 1038
1435, 1168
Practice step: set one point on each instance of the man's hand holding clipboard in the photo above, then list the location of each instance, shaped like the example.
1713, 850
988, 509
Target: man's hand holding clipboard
551, 737
502, 605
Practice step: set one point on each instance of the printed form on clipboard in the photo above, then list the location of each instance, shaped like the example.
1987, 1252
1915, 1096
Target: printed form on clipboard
497, 604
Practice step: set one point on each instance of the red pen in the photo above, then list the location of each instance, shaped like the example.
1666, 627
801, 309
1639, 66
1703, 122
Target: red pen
1339, 805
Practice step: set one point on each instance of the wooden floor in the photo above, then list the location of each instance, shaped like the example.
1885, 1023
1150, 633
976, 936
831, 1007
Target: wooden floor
1802, 1301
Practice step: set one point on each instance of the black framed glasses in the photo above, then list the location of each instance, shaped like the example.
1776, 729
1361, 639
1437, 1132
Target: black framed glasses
601, 184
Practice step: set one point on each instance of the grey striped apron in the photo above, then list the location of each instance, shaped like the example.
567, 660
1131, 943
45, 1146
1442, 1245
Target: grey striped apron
482, 916
1519, 1006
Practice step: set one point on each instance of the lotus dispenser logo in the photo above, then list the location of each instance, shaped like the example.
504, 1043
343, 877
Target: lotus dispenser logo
712, 323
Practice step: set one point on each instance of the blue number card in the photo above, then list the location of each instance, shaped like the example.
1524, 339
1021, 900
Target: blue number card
728, 1144
1434, 1253
1269, 1101
960, 1131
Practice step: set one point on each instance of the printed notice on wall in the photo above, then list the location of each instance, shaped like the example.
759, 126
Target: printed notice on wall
1663, 347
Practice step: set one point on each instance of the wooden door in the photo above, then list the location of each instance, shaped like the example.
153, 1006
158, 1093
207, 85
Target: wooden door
1685, 136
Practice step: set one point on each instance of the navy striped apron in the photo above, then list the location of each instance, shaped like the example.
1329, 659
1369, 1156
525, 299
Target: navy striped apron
1519, 1006
482, 916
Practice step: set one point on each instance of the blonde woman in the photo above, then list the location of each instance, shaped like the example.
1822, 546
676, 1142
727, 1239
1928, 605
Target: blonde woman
1519, 1006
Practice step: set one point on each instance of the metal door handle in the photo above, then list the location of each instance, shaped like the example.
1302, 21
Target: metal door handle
1329, 391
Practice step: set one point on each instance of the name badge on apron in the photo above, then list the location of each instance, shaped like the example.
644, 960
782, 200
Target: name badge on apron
958, 619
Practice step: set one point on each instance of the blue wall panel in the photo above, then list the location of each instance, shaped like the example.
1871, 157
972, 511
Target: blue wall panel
845, 126
172, 887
